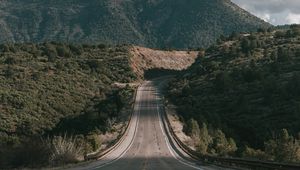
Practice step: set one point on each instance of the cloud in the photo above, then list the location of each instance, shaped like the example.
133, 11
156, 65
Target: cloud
274, 11
293, 18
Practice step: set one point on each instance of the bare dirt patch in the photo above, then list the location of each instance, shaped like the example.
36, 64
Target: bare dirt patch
145, 59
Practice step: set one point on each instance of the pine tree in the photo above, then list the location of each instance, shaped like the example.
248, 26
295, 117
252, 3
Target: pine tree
204, 140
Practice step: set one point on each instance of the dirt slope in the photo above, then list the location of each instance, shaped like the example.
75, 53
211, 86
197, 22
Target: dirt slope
145, 59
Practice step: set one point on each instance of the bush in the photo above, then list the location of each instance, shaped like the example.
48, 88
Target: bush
10, 61
279, 34
64, 150
9, 72
63, 51
254, 154
76, 49
50, 52
31, 153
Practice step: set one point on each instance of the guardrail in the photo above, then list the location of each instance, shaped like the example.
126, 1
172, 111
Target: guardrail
118, 141
229, 162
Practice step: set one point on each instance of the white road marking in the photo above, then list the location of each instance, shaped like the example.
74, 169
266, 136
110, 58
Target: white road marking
168, 142
131, 142
137, 112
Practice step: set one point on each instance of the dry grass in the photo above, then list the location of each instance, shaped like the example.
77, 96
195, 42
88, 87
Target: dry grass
64, 149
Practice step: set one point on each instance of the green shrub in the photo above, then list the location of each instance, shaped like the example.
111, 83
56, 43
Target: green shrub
63, 51
94, 141
254, 154
10, 61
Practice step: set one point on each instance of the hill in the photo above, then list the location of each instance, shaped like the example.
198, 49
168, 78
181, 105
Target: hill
155, 23
248, 87
49, 89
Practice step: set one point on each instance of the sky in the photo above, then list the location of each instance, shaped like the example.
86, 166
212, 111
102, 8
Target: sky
276, 12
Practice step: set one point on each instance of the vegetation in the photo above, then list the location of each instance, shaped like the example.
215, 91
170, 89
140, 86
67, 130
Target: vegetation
51, 89
247, 86
64, 150
209, 141
162, 24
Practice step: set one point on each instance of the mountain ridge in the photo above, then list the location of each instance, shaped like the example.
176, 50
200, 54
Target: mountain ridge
156, 23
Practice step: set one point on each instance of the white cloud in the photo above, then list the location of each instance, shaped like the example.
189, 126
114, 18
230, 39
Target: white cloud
265, 17
276, 12
293, 18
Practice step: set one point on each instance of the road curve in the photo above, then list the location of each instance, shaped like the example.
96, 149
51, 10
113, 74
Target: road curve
147, 144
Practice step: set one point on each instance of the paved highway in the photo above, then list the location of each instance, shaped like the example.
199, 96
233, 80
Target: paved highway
147, 144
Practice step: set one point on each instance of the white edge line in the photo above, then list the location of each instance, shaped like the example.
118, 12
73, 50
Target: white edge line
168, 142
131, 143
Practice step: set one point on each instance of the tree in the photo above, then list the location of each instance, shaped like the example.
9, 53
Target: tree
192, 128
274, 55
4, 48
222, 81
10, 60
9, 72
204, 140
50, 52
262, 30
245, 45
253, 44
293, 85
283, 54
284, 148
221, 145
297, 53
77, 50
63, 51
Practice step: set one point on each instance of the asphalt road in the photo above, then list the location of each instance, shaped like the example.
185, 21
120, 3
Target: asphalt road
147, 144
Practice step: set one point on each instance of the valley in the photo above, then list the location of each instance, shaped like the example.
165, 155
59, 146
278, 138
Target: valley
149, 84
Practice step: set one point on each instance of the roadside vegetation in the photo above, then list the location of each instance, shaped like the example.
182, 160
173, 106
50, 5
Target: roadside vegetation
57, 99
241, 98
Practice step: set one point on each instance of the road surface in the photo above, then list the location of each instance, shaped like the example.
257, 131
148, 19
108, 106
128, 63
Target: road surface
147, 144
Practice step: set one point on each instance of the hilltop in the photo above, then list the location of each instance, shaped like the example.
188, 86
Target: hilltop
155, 23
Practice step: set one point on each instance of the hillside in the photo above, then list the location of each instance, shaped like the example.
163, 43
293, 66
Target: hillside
155, 23
247, 86
49, 89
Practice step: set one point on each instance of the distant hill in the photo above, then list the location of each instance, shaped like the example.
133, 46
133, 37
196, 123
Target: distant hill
152, 23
